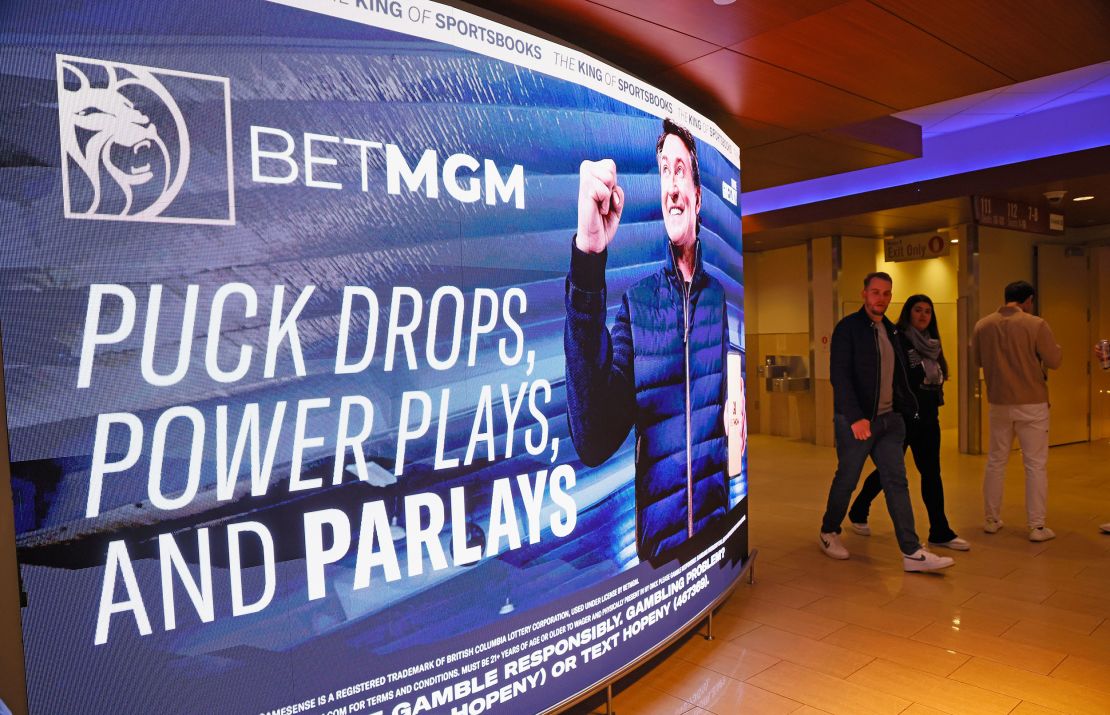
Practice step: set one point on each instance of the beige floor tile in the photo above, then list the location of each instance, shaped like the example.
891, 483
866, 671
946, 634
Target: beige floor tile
1039, 612
1102, 633
643, 699
772, 572
928, 658
983, 560
1083, 546
714, 692
953, 615
738, 698
1039, 689
777, 593
788, 619
1045, 636
1084, 671
1028, 708
859, 570
943, 587
933, 691
919, 709
818, 655
684, 680
726, 626
1050, 567
868, 616
1061, 582
725, 657
1033, 593
848, 589
1028, 657
825, 692
768, 554
1096, 605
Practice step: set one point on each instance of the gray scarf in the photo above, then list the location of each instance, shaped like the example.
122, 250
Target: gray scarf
928, 349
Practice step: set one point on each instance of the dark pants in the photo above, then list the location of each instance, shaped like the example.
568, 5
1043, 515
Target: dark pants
884, 446
923, 440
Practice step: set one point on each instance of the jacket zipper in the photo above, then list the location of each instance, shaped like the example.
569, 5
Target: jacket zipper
879, 372
687, 288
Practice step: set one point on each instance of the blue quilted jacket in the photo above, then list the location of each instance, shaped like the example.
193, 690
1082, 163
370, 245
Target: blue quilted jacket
660, 370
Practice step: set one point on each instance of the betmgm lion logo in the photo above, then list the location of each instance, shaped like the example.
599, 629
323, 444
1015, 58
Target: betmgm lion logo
128, 149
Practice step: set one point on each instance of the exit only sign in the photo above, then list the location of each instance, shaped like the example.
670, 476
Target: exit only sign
916, 247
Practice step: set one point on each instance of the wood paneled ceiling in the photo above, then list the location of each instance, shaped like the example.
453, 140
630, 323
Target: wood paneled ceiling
807, 87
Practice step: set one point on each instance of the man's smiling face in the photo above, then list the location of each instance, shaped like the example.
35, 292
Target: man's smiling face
681, 198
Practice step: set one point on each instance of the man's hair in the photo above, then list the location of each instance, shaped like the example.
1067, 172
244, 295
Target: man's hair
669, 127
1019, 292
881, 275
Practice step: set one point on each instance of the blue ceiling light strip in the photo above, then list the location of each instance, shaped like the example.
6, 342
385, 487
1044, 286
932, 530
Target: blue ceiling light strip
1038, 135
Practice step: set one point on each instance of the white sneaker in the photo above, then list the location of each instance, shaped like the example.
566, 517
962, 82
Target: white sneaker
830, 544
956, 544
1105, 528
863, 529
922, 560
992, 526
1041, 533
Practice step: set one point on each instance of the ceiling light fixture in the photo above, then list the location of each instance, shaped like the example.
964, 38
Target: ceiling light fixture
1083, 198
953, 240
723, 2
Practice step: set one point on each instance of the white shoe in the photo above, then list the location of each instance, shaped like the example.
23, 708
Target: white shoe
830, 544
992, 526
956, 544
922, 560
863, 529
1105, 528
1041, 533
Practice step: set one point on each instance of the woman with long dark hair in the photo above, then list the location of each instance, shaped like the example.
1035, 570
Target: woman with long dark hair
927, 372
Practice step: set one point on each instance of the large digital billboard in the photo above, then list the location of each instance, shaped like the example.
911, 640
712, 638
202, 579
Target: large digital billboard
359, 357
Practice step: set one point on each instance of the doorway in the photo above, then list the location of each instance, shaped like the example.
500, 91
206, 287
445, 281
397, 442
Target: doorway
1063, 301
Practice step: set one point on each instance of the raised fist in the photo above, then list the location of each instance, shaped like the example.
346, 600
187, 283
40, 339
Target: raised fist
600, 203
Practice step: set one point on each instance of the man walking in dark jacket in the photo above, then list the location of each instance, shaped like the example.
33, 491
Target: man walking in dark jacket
871, 401
661, 369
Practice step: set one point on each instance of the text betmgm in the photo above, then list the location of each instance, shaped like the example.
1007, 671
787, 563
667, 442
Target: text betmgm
318, 161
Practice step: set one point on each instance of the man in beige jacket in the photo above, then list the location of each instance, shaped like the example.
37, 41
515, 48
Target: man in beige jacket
1014, 347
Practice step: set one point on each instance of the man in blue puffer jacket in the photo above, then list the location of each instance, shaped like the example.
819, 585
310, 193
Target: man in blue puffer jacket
661, 368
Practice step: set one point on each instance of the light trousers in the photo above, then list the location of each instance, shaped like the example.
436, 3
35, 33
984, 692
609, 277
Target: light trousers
1030, 424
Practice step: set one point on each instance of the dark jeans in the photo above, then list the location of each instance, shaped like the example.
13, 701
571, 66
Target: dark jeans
923, 440
884, 446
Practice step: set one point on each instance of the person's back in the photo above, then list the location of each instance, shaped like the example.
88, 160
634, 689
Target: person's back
1014, 347
1011, 345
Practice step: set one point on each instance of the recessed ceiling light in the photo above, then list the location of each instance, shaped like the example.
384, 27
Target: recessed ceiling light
723, 2
1083, 198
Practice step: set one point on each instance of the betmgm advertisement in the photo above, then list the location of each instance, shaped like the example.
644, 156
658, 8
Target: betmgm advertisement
359, 357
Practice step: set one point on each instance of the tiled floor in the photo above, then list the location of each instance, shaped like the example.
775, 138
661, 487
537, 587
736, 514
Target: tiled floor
1013, 628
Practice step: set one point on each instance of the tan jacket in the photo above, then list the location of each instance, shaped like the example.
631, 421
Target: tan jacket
1014, 348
